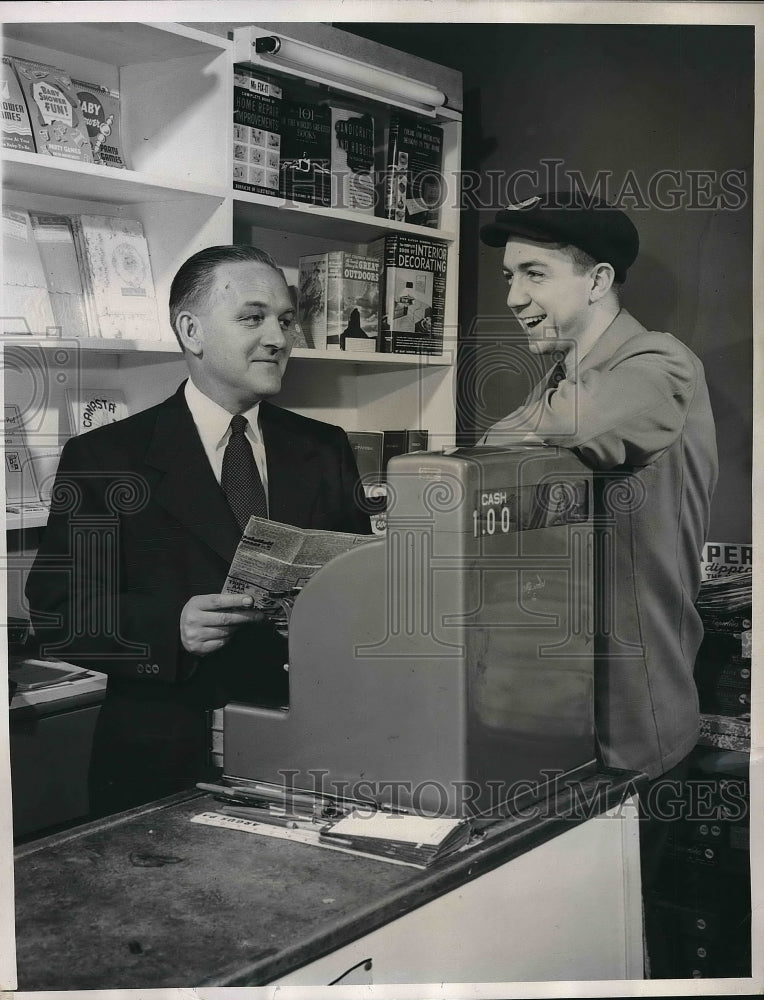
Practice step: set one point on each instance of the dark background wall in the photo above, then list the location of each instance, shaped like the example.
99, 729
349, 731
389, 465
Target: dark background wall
629, 101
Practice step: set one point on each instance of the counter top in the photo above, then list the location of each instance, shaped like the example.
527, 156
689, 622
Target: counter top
149, 899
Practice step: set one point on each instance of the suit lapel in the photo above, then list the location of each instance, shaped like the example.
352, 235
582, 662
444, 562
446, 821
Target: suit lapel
291, 461
187, 488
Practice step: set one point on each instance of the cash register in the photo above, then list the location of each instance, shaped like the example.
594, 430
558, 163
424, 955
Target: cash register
446, 667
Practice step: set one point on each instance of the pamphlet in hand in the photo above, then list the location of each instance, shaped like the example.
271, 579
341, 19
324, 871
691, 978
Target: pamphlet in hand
274, 561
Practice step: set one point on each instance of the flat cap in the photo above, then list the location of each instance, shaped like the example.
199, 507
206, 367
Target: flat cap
606, 234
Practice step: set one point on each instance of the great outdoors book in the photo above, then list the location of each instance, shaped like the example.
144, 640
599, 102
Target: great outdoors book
413, 177
256, 132
17, 125
58, 125
101, 112
352, 160
306, 149
412, 293
338, 300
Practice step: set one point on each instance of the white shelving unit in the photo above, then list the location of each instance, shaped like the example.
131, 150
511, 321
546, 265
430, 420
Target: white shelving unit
176, 84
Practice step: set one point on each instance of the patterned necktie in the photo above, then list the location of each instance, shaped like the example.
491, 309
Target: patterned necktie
240, 479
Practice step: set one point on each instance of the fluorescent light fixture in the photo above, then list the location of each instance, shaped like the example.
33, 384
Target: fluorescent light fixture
342, 71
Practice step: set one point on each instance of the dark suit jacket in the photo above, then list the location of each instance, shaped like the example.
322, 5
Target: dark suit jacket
138, 525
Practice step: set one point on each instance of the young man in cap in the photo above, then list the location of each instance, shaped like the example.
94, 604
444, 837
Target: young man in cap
633, 405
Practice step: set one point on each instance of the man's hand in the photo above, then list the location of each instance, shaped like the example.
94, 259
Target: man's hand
208, 621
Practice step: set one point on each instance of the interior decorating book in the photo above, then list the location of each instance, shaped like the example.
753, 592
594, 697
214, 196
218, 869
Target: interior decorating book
256, 132
413, 180
352, 160
306, 149
412, 293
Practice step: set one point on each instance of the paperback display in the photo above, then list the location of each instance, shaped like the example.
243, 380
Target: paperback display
17, 125
91, 408
412, 293
101, 114
338, 304
58, 125
306, 149
26, 303
256, 132
352, 160
413, 171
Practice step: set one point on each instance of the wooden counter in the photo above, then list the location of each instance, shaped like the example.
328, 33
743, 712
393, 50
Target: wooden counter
149, 899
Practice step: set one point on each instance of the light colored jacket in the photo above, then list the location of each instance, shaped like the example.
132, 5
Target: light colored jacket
637, 410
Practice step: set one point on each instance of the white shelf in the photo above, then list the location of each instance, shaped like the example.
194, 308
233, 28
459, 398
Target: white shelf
51, 175
121, 44
265, 212
93, 344
374, 358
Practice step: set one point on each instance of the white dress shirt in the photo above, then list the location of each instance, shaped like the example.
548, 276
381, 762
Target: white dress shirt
214, 426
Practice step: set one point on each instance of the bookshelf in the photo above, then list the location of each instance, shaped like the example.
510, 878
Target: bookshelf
176, 84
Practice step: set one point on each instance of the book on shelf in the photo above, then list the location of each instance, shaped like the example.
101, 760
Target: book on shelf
55, 244
90, 408
412, 293
367, 449
26, 303
352, 160
402, 443
17, 125
256, 132
116, 270
420, 840
20, 480
58, 125
338, 305
413, 178
306, 149
101, 113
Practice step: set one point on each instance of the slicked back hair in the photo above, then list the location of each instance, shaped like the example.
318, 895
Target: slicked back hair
196, 276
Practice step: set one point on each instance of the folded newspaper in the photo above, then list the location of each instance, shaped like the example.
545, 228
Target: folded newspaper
274, 561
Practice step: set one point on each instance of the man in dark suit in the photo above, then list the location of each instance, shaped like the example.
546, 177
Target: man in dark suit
147, 514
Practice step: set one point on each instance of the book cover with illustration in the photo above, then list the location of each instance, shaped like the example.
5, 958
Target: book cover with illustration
256, 132
306, 149
20, 481
352, 160
311, 299
55, 244
413, 174
101, 114
352, 309
58, 124
116, 260
412, 293
17, 125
